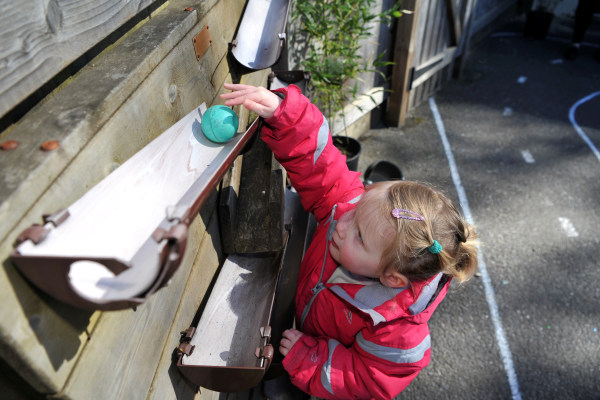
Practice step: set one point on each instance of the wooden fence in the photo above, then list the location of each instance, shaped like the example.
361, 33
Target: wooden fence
431, 44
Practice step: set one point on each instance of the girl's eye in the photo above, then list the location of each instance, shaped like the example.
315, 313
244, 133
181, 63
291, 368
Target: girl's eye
360, 237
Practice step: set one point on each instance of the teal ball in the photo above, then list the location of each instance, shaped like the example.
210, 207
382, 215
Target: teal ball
219, 124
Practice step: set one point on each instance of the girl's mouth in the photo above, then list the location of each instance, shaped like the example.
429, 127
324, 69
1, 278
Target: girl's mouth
335, 246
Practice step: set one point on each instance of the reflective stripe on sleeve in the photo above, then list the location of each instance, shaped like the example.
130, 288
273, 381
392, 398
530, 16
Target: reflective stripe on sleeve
322, 138
398, 356
326, 370
356, 199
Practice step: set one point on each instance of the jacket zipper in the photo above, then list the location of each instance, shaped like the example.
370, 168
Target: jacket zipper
320, 286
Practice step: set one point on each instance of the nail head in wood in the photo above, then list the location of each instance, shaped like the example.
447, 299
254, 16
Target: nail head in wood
50, 145
9, 145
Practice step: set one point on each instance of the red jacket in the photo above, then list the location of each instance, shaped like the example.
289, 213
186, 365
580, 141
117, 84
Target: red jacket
361, 340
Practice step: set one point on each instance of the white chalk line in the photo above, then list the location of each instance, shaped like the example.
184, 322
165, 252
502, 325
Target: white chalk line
527, 156
505, 353
578, 129
568, 227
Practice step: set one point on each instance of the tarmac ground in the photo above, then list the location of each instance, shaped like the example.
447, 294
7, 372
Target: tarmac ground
523, 129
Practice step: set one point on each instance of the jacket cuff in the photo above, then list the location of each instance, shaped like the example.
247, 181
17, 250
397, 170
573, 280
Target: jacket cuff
299, 351
283, 118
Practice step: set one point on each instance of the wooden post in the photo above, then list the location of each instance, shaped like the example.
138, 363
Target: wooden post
403, 62
465, 41
453, 22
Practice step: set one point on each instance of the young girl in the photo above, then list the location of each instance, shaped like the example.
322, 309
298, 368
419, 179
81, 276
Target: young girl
380, 261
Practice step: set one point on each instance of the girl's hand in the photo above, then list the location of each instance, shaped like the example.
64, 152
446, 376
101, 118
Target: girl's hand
290, 337
256, 99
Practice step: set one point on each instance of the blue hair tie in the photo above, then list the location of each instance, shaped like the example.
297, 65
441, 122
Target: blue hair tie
435, 248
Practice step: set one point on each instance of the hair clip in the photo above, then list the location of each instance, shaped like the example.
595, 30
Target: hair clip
400, 213
435, 248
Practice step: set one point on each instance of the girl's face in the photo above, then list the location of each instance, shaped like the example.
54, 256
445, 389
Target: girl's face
362, 235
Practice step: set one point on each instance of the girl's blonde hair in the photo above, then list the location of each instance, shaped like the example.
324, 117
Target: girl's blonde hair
409, 253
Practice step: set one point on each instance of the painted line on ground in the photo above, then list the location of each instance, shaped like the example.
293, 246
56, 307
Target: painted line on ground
527, 156
505, 353
568, 227
578, 129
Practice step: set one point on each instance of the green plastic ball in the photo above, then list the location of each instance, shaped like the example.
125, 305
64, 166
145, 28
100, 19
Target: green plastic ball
219, 124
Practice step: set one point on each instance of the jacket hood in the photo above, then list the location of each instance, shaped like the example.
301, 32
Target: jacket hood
415, 302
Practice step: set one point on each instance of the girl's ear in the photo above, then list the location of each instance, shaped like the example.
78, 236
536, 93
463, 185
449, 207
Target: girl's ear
393, 279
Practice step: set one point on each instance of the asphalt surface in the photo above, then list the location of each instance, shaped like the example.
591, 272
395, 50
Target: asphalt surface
529, 325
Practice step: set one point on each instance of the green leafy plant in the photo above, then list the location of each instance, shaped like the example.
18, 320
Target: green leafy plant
333, 32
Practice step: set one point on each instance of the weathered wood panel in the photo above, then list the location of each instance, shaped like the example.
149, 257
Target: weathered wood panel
404, 50
40, 38
258, 216
444, 37
106, 114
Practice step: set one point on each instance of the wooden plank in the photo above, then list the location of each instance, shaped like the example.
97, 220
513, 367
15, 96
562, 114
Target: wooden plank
441, 61
437, 52
41, 337
432, 26
465, 43
13, 387
253, 220
422, 22
403, 61
40, 38
30, 323
360, 107
453, 22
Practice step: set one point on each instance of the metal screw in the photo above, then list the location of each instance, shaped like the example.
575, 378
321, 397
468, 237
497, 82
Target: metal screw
49, 145
9, 145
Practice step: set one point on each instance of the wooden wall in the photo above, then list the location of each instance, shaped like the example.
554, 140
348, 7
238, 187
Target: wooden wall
123, 98
39, 38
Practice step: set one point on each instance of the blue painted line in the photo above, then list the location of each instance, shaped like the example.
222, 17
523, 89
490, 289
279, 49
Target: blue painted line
490, 296
578, 129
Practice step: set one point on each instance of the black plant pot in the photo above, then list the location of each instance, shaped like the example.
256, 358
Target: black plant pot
537, 24
381, 171
349, 147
